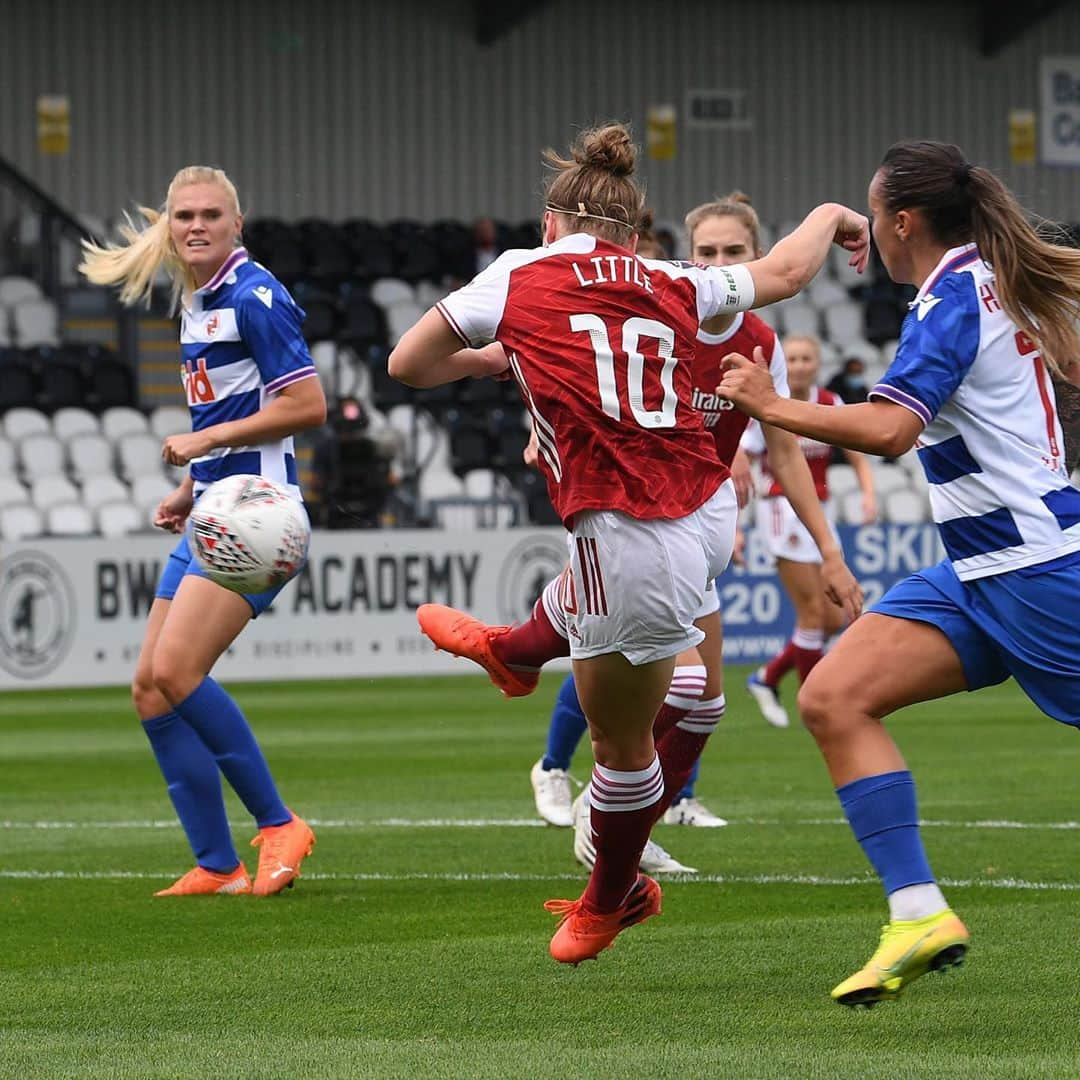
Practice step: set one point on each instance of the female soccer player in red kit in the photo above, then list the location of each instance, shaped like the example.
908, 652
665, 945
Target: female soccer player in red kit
598, 341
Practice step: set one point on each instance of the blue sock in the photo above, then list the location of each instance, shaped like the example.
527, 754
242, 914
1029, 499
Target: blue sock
567, 726
194, 785
885, 820
224, 729
688, 788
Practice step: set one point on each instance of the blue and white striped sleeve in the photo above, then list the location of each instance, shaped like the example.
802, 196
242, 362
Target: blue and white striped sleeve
271, 325
938, 345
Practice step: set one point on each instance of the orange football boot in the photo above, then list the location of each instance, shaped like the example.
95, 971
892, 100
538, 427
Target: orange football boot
461, 635
583, 935
283, 849
202, 882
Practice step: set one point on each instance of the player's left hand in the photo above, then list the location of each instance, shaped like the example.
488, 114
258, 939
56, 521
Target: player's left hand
841, 587
747, 383
180, 449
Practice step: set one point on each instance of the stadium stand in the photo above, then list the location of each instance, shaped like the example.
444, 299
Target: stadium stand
71, 413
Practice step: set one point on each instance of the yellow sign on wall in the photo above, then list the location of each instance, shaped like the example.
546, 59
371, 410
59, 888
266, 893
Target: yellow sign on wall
660, 132
54, 124
1022, 136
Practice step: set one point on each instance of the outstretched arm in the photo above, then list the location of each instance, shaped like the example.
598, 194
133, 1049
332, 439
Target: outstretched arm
793, 261
876, 427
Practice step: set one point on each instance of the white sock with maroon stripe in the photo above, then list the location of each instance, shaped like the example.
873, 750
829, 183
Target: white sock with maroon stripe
622, 809
684, 693
553, 599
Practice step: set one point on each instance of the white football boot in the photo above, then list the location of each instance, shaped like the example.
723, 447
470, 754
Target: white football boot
692, 812
767, 699
551, 791
654, 859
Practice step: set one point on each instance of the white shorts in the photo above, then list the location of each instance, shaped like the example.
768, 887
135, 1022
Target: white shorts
636, 587
711, 602
786, 537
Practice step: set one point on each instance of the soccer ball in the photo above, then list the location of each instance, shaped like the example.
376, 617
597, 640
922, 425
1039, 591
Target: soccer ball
248, 534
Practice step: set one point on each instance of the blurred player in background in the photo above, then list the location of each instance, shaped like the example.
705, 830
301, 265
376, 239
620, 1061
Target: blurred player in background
994, 315
801, 561
724, 232
598, 364
250, 384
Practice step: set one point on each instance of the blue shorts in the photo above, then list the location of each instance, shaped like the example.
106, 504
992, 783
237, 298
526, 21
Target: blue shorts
182, 562
1022, 623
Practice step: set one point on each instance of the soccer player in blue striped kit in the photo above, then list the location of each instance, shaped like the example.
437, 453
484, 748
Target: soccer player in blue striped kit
250, 384
970, 386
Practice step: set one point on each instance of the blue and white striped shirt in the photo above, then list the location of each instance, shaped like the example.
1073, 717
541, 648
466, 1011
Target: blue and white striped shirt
241, 343
992, 447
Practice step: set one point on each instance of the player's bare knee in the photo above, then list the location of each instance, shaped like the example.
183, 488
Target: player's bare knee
173, 679
819, 705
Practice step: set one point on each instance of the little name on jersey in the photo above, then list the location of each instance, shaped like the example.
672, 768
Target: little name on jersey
610, 269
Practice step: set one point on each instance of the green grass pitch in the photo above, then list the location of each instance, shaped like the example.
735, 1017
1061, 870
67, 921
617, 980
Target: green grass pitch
416, 944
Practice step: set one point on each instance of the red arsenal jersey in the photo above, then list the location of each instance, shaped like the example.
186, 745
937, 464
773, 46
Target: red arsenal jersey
602, 345
726, 422
818, 454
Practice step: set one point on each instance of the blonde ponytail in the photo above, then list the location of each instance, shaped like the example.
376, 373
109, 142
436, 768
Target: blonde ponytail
134, 264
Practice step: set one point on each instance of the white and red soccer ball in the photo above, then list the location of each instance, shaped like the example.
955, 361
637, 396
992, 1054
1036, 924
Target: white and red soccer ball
248, 534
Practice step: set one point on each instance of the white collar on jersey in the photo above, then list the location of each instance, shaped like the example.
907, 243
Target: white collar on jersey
953, 255
236, 258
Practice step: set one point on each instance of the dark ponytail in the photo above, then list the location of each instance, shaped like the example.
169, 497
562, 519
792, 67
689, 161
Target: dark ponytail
1038, 282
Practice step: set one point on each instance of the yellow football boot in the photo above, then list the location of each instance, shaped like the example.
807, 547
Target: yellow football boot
907, 950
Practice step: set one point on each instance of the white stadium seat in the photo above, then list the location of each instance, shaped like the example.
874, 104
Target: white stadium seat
150, 488
768, 315
842, 479
428, 294
440, 483
823, 291
324, 354
123, 420
119, 519
35, 322
7, 457
41, 455
888, 352
89, 455
480, 484
889, 478
169, 420
13, 290
862, 350
849, 508
401, 317
139, 454
20, 422
99, 490
906, 507
69, 519
800, 319
844, 323
68, 422
48, 491
12, 493
389, 291
20, 522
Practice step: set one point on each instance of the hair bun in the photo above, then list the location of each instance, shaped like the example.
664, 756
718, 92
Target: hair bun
609, 148
737, 196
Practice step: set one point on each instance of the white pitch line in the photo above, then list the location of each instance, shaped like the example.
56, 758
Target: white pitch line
521, 823
813, 880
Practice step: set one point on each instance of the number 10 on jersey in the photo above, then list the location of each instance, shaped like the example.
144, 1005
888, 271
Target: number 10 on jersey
633, 330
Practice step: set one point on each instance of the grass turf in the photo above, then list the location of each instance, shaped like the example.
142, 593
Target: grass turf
416, 945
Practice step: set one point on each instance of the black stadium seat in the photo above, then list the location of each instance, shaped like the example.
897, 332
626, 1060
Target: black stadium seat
372, 249
364, 322
62, 378
18, 381
329, 254
111, 383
